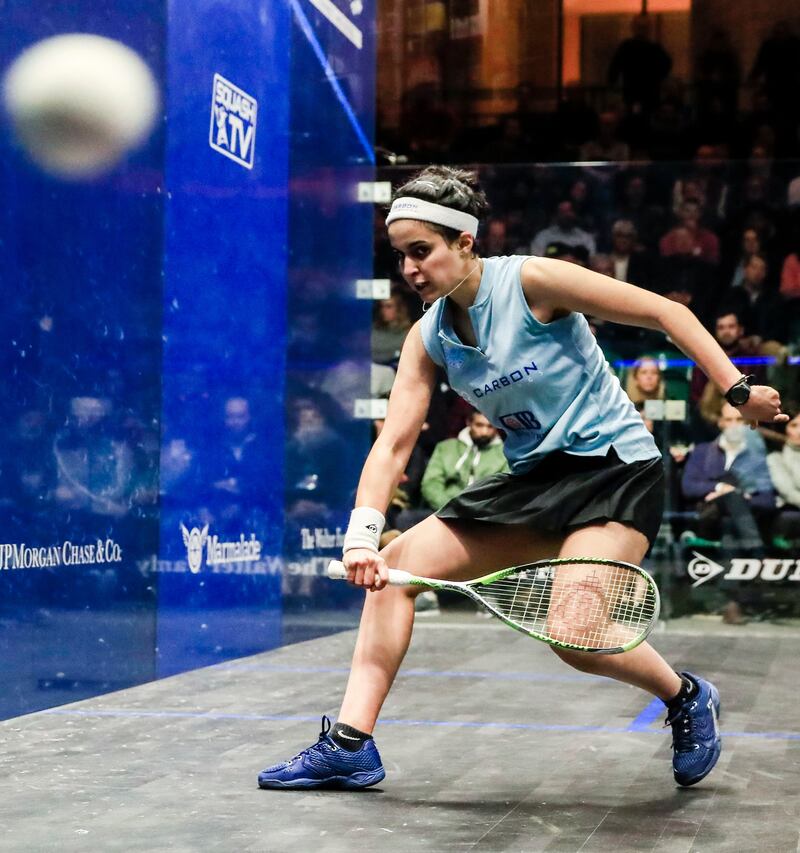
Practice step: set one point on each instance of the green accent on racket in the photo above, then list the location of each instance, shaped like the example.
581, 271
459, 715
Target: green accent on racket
580, 603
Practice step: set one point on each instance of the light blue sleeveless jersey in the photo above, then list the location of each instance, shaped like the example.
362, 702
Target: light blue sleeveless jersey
546, 384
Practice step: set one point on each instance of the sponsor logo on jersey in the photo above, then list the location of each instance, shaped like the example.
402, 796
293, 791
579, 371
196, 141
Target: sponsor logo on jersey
506, 381
516, 421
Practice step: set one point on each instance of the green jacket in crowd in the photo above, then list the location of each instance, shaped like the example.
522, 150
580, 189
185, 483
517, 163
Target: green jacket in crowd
457, 463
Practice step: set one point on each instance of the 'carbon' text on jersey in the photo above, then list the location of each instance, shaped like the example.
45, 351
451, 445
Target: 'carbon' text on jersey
505, 381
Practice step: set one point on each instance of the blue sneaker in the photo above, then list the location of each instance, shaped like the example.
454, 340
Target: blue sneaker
696, 742
326, 765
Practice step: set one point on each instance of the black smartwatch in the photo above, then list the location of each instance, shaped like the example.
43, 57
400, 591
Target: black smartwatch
739, 393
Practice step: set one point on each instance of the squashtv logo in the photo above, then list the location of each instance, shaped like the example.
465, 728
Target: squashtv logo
233, 122
703, 569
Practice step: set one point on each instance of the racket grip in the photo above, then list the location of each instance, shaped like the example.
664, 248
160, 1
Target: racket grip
397, 577
337, 571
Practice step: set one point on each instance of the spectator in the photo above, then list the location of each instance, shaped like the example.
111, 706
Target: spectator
790, 271
644, 381
526, 110
729, 332
753, 208
642, 65
705, 244
753, 303
678, 447
511, 145
777, 67
729, 480
571, 254
581, 195
630, 264
381, 380
761, 164
603, 264
636, 205
144, 441
793, 194
606, 145
456, 463
752, 124
683, 275
389, 328
316, 459
751, 244
28, 464
718, 76
705, 185
668, 133
93, 465
784, 469
564, 230
236, 467
496, 240
178, 474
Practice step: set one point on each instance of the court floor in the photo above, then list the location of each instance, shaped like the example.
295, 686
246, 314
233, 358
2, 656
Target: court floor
489, 742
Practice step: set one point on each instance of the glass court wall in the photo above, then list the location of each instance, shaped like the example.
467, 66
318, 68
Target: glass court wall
174, 464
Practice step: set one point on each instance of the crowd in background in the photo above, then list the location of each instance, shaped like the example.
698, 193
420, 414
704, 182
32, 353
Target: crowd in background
646, 112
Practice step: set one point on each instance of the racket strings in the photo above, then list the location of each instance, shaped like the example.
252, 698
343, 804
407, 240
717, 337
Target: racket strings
590, 607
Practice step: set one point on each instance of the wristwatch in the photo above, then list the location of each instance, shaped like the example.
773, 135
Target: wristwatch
739, 393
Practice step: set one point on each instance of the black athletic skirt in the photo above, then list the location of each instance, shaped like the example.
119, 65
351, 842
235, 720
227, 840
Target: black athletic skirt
567, 491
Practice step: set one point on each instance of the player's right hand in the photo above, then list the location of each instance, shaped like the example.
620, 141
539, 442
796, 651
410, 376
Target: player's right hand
366, 568
764, 405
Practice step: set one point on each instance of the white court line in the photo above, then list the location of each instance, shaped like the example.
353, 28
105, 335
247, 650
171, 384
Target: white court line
342, 23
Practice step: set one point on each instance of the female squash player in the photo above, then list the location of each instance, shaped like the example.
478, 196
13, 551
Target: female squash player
586, 477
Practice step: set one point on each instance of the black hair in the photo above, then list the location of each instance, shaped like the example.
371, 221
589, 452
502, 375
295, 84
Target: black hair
561, 250
456, 188
727, 310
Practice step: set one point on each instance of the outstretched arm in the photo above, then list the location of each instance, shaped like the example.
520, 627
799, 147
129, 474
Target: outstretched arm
552, 287
408, 406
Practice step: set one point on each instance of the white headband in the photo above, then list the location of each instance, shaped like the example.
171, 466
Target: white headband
428, 211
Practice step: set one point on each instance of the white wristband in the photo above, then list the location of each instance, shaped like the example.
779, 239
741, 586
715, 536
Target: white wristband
364, 529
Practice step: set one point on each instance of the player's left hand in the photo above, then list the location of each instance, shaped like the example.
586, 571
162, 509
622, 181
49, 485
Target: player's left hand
764, 405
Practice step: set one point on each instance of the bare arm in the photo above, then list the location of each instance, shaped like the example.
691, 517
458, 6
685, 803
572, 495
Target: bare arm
408, 406
553, 287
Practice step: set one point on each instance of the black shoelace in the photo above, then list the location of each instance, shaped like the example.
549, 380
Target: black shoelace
324, 740
682, 723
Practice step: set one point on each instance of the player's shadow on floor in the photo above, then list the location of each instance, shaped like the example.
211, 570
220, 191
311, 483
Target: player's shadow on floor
493, 802
570, 821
